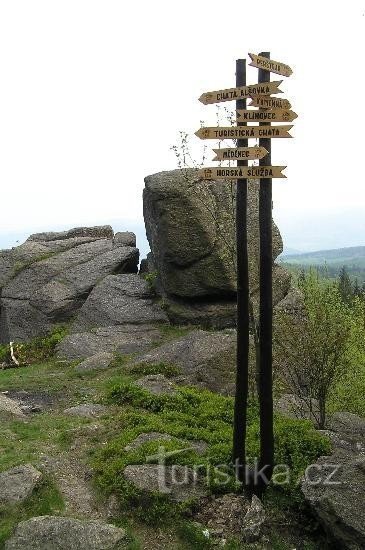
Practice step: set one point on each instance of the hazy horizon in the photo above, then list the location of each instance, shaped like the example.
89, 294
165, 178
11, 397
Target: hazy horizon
305, 234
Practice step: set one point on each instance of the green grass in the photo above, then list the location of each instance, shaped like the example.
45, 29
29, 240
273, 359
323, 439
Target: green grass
23, 441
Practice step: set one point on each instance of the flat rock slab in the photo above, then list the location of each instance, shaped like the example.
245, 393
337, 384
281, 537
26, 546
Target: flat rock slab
87, 410
199, 446
122, 339
348, 424
119, 300
338, 501
60, 533
18, 483
179, 483
10, 406
99, 361
156, 384
205, 358
191, 351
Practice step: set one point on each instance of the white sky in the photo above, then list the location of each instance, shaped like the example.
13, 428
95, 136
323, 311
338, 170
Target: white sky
93, 94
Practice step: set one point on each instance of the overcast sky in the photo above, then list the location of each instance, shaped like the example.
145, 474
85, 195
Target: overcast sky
93, 94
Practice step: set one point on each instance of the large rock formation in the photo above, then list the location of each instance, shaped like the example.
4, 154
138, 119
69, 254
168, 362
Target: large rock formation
190, 227
335, 485
47, 279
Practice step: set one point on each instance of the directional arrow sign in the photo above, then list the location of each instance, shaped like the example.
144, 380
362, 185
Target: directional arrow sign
242, 92
266, 102
269, 65
244, 132
240, 153
279, 115
255, 172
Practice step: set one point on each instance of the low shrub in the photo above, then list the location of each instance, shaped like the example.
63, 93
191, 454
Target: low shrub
37, 350
195, 414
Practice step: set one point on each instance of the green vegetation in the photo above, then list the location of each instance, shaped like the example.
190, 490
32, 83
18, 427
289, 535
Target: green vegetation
192, 414
321, 349
184, 417
36, 351
330, 262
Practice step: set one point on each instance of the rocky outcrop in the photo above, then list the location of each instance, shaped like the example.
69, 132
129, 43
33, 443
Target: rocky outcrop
99, 361
17, 484
178, 483
335, 485
47, 279
60, 533
190, 226
10, 406
204, 358
121, 339
156, 384
119, 300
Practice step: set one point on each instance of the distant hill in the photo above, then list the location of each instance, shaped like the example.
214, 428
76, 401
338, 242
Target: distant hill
290, 252
329, 262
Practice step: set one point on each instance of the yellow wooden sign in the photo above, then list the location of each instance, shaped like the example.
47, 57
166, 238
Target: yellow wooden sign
266, 102
277, 115
244, 132
254, 172
240, 153
242, 92
270, 65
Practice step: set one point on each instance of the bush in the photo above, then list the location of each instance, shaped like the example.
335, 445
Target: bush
314, 350
37, 350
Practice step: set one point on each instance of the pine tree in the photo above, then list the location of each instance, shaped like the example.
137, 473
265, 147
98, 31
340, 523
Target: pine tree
357, 290
345, 286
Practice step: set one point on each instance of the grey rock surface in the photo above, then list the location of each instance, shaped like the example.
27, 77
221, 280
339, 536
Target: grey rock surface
179, 483
205, 358
123, 339
61, 533
46, 280
98, 232
118, 300
87, 410
253, 521
10, 406
338, 503
190, 227
335, 486
156, 384
99, 361
232, 515
17, 484
125, 238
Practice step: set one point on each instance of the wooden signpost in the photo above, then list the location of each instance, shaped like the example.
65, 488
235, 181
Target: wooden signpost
271, 109
269, 65
277, 115
241, 92
240, 153
244, 132
233, 173
267, 102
